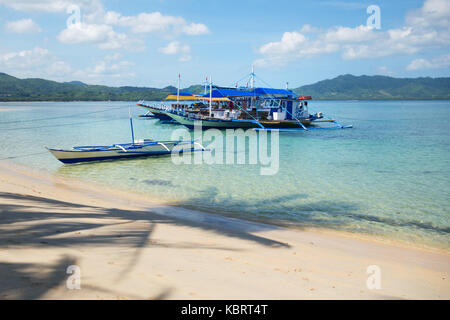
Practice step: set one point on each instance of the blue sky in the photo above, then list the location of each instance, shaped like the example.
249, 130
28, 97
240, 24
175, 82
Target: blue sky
147, 43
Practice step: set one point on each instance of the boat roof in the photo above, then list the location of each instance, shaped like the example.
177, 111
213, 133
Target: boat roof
227, 92
271, 91
182, 96
222, 92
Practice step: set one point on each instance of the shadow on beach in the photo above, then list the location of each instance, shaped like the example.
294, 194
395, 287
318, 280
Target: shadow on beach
36, 222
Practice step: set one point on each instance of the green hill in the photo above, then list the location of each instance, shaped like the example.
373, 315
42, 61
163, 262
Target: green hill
342, 87
14, 89
377, 88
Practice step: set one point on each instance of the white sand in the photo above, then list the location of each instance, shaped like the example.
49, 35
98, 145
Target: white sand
130, 248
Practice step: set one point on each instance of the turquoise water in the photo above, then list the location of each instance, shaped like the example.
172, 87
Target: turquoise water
388, 176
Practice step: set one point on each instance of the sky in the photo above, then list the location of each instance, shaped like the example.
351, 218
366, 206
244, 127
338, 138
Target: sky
149, 43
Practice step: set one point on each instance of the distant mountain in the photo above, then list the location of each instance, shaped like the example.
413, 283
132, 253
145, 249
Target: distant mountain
342, 87
377, 88
15, 89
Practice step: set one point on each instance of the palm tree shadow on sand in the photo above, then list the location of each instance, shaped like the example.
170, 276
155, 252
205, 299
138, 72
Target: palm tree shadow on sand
23, 223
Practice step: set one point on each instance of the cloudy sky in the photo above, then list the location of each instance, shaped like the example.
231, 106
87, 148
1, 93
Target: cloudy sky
147, 43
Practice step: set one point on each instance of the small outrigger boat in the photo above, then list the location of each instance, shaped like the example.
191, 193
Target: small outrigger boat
137, 148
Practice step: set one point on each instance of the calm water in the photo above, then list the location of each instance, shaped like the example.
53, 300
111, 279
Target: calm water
389, 175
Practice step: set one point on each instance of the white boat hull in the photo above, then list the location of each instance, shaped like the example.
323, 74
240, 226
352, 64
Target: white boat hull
85, 154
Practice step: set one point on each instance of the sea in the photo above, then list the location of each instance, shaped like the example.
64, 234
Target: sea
388, 176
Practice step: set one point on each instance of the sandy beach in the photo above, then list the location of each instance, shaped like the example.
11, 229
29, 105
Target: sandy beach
128, 247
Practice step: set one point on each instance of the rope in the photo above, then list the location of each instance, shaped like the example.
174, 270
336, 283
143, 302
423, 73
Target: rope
59, 125
23, 155
66, 116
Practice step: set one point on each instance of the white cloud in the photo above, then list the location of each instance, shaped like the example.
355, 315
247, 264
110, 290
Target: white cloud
290, 42
432, 13
425, 29
100, 34
176, 47
22, 26
98, 26
435, 63
307, 28
110, 66
37, 62
42, 5
349, 35
194, 29
53, 6
155, 22
42, 63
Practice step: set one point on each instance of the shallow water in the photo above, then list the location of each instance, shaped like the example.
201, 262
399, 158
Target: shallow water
389, 175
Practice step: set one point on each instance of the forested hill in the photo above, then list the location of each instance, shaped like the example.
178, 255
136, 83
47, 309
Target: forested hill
342, 87
15, 89
377, 88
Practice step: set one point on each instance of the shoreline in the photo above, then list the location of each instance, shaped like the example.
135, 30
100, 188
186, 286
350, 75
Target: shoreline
317, 99
370, 237
134, 248
364, 236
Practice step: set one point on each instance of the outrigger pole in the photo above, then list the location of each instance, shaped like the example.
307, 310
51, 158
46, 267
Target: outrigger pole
131, 126
178, 91
210, 96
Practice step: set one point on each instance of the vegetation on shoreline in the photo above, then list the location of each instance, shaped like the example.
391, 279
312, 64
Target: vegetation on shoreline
345, 87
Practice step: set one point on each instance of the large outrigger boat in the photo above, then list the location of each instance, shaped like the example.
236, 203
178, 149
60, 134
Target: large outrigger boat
254, 107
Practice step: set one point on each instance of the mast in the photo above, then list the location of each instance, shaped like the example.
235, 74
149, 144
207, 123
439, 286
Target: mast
252, 82
210, 96
131, 125
178, 91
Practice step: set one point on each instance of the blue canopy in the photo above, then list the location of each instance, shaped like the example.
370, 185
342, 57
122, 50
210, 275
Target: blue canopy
263, 91
220, 93
226, 92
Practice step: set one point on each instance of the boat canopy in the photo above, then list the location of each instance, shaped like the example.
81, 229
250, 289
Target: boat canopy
270, 91
220, 93
182, 96
226, 92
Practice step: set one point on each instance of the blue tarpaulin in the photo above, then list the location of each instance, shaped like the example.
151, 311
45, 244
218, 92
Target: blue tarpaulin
225, 92
220, 93
263, 91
